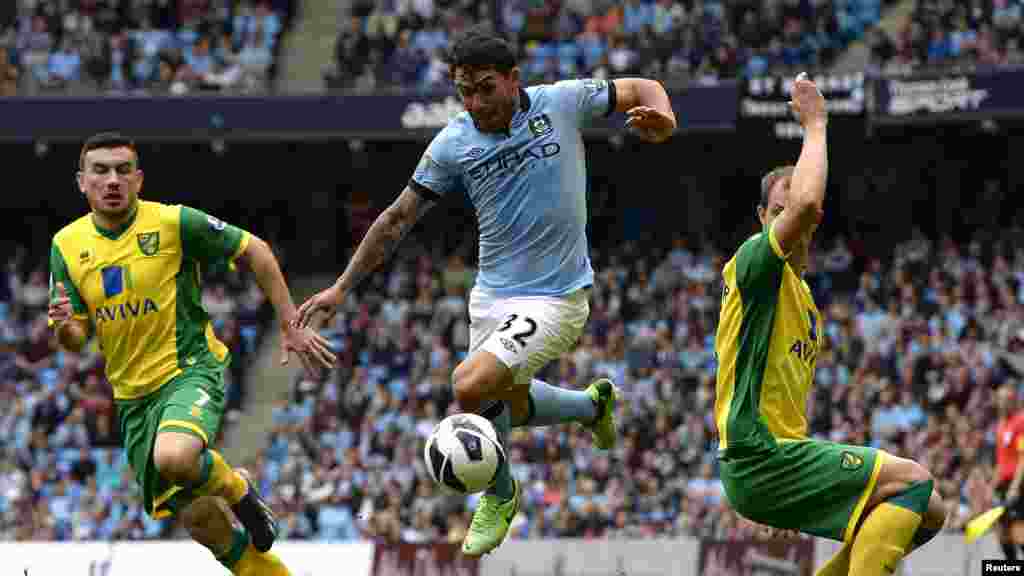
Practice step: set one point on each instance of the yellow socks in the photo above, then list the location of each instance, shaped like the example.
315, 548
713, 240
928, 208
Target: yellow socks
255, 563
217, 478
888, 532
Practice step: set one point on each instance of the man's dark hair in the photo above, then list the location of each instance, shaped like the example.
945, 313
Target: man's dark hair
476, 48
769, 180
106, 140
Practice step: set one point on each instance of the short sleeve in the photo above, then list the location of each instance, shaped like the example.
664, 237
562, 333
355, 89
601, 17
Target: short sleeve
59, 273
437, 173
590, 98
208, 240
759, 265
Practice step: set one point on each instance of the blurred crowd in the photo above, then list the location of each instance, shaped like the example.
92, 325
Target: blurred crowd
944, 33
140, 46
916, 341
63, 474
396, 44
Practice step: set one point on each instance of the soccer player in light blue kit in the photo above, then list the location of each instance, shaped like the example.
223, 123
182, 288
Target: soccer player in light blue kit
518, 154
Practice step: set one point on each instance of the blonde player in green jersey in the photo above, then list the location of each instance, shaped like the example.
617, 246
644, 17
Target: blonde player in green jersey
880, 506
129, 273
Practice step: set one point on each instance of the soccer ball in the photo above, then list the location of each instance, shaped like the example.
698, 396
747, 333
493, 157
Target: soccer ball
463, 453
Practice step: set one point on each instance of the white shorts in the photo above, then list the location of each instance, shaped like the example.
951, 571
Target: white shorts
526, 333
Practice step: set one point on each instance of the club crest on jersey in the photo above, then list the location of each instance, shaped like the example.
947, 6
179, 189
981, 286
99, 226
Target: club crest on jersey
215, 224
540, 125
84, 256
149, 242
850, 461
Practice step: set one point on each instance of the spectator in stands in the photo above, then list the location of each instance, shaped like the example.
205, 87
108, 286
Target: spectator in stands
157, 37
676, 40
8, 74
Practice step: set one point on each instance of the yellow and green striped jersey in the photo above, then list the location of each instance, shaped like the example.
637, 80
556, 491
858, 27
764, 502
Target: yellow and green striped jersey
139, 290
767, 344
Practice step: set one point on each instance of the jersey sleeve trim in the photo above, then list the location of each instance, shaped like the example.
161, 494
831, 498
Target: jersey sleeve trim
613, 99
424, 191
59, 273
243, 243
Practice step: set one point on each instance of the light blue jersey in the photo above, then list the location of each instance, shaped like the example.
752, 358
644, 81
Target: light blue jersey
528, 187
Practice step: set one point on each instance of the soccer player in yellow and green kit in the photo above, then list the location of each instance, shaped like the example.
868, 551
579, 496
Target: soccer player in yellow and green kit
129, 274
880, 506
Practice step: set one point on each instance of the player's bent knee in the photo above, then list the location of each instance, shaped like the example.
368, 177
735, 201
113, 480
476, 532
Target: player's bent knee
937, 512
207, 520
477, 380
897, 475
176, 456
467, 386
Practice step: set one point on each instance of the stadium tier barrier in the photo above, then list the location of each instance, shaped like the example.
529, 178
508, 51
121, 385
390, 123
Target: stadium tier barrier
727, 105
946, 555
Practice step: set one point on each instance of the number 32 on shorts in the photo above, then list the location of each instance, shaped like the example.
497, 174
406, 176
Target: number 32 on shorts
527, 327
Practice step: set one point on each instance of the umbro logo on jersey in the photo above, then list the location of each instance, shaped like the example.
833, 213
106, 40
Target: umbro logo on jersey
475, 152
215, 224
540, 125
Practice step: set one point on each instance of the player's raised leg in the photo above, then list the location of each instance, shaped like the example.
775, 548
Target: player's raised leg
545, 405
211, 523
184, 460
905, 512
934, 520
477, 383
187, 467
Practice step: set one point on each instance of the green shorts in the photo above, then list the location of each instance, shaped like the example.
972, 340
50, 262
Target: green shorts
193, 403
812, 486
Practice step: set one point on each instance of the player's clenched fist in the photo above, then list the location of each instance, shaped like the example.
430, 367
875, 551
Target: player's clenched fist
807, 102
60, 307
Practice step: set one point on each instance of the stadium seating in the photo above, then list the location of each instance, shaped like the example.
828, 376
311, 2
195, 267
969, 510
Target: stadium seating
952, 34
394, 45
914, 349
63, 475
143, 48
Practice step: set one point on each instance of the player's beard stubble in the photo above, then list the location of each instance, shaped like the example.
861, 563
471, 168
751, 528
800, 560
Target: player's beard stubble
114, 205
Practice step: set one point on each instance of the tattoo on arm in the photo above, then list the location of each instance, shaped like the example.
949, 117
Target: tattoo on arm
384, 236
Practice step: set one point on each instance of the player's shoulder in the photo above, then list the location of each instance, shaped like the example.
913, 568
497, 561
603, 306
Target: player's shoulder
456, 131
573, 87
545, 96
151, 211
456, 141
752, 242
75, 231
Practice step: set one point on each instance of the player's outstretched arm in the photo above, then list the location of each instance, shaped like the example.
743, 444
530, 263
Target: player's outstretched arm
807, 186
311, 348
647, 107
377, 246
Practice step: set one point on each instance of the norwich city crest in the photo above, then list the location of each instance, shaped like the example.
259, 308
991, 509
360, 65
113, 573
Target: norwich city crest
149, 243
850, 461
